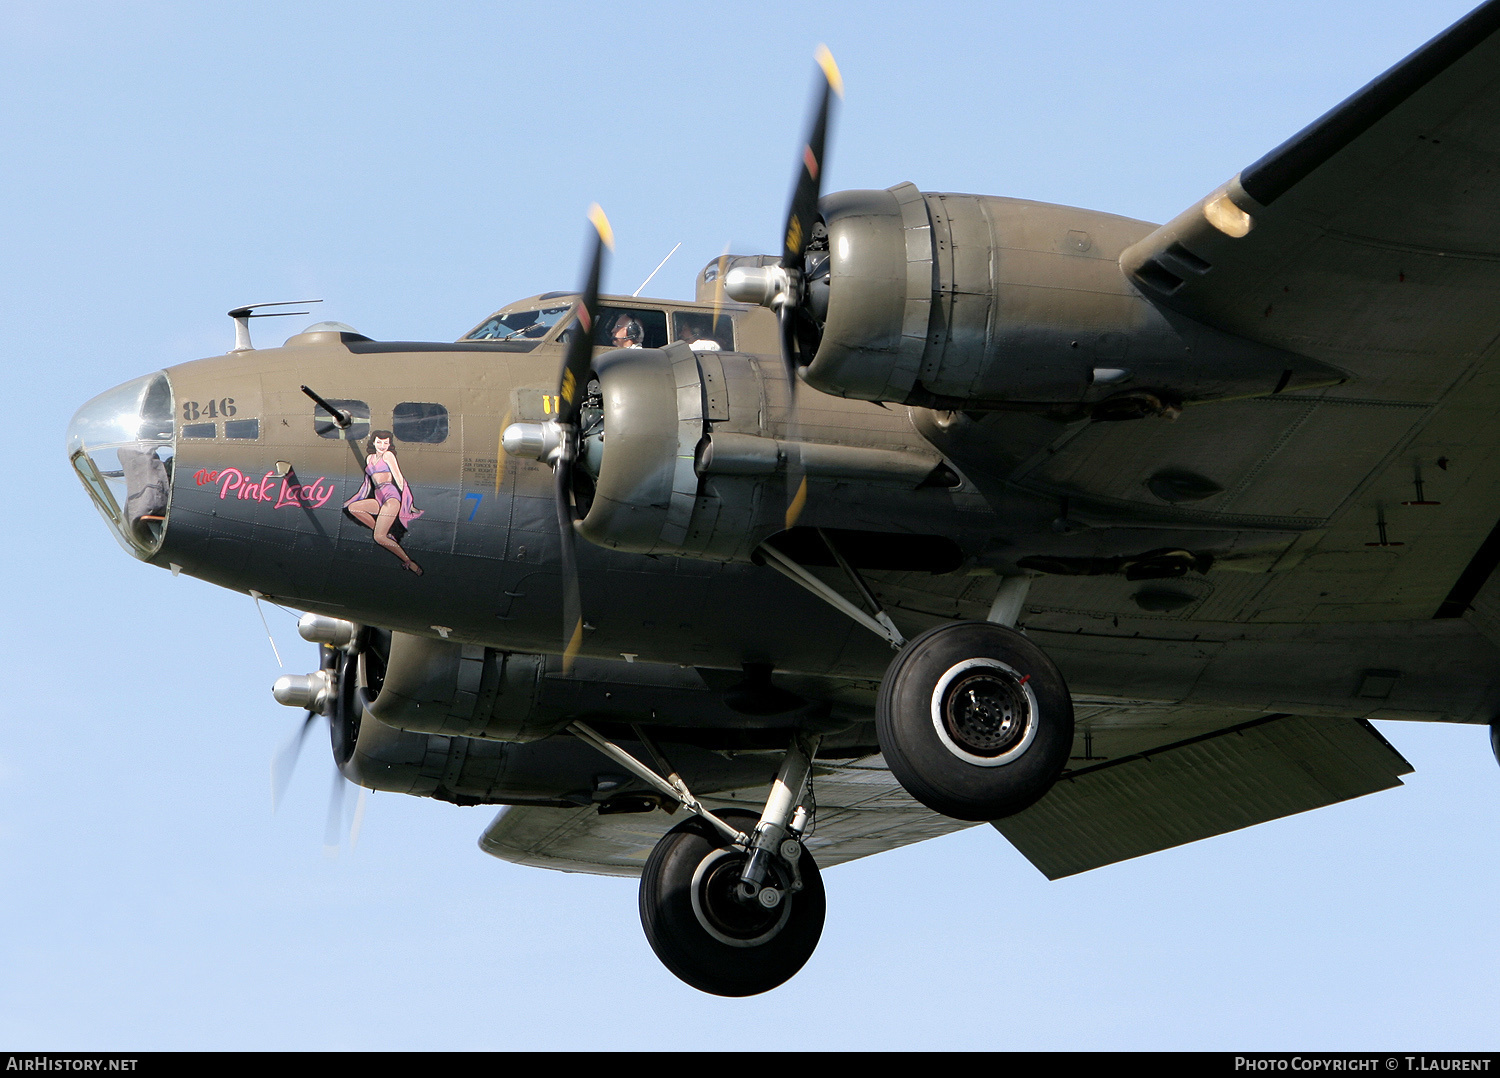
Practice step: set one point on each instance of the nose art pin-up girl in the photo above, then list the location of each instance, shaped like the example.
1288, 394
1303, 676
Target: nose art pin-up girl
385, 498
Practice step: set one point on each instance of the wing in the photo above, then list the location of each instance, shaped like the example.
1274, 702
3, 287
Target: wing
575, 839
1144, 778
1369, 239
861, 810
1199, 787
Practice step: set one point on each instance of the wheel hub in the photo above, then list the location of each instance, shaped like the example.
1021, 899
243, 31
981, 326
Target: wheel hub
986, 711
724, 913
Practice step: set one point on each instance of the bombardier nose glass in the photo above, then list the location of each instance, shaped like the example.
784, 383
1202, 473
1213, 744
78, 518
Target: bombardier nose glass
120, 444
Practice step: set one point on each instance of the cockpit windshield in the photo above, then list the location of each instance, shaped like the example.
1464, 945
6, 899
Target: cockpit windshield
519, 325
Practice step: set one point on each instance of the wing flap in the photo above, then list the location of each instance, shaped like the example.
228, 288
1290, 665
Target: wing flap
1205, 786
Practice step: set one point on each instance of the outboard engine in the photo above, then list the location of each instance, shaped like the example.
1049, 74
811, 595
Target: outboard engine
986, 303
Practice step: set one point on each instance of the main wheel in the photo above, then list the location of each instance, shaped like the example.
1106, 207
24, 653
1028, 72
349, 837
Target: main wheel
708, 936
974, 720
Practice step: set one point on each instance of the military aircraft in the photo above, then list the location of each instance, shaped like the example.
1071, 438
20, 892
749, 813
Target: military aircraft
958, 509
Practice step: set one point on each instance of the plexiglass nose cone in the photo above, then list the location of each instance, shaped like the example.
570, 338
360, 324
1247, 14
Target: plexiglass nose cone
121, 446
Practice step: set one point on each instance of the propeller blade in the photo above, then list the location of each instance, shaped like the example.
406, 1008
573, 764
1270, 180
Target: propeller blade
334, 825
572, 598
719, 287
801, 219
359, 817
796, 478
284, 763
573, 378
572, 385
804, 208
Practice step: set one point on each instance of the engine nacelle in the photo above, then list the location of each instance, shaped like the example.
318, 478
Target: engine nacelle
470, 725
968, 301
690, 458
444, 687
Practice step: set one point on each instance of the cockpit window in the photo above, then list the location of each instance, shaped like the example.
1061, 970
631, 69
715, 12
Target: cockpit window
630, 327
519, 325
702, 332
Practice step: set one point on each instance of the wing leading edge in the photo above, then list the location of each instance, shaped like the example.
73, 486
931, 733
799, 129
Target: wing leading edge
1368, 238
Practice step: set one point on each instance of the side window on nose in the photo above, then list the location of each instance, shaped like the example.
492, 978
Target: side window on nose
411, 422
358, 411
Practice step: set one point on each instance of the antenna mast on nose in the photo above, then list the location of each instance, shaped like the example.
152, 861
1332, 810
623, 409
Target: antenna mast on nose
242, 316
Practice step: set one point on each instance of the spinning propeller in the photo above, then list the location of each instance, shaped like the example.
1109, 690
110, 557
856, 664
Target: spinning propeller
316, 689
784, 287
571, 386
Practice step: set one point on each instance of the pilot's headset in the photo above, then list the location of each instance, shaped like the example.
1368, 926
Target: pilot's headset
634, 333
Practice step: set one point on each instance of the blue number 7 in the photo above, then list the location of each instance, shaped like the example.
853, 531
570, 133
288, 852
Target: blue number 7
477, 499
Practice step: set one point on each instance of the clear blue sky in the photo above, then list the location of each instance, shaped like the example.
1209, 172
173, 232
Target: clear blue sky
418, 166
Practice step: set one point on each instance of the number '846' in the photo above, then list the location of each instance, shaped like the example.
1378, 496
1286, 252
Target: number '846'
212, 410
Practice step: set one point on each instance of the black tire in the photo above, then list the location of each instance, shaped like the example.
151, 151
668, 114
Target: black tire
986, 756
693, 938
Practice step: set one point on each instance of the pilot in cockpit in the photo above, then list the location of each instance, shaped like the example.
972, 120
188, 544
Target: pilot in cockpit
696, 331
627, 332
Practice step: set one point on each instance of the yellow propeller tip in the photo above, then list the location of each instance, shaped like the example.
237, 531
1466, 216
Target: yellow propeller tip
601, 225
574, 645
830, 70
794, 510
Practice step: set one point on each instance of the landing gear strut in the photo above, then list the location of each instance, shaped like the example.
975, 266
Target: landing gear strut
705, 930
731, 904
738, 918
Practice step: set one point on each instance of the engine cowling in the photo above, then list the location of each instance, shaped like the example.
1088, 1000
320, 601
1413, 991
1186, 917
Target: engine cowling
443, 687
689, 456
473, 725
975, 302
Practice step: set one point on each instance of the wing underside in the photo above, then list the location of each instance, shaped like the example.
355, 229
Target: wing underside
1367, 241
1194, 789
1155, 789
861, 809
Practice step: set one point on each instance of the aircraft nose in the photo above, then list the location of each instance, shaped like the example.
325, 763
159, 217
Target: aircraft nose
121, 446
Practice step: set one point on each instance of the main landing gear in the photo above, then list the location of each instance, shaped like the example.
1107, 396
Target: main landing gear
974, 720
708, 927
731, 904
